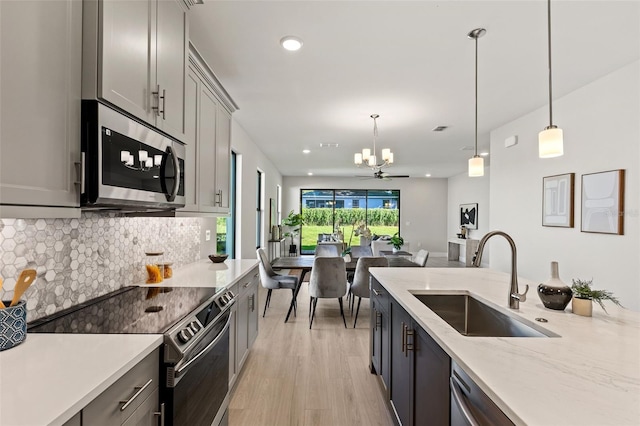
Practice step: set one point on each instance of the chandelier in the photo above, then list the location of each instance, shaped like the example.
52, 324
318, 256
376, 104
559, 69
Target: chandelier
145, 161
369, 158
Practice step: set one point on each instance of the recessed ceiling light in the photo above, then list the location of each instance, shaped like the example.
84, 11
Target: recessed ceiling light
310, 174
291, 43
428, 175
484, 153
306, 151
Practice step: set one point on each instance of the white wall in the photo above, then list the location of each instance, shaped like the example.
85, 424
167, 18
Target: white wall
463, 189
251, 159
601, 123
423, 205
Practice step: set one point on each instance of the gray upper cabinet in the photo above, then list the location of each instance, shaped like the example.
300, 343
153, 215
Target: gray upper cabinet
40, 108
135, 56
208, 110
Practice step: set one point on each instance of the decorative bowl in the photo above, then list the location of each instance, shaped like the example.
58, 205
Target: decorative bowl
218, 258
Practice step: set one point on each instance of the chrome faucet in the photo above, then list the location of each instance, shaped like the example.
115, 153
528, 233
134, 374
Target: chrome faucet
514, 297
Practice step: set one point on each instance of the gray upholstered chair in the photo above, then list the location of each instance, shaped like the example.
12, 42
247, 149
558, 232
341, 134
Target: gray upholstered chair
273, 281
361, 251
326, 250
361, 279
328, 281
421, 257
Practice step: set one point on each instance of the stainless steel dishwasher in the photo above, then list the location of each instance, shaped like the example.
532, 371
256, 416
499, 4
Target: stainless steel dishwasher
470, 406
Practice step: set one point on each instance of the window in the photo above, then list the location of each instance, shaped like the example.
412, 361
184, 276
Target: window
225, 226
259, 210
328, 210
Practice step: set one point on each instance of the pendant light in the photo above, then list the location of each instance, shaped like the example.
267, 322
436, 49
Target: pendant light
476, 164
550, 139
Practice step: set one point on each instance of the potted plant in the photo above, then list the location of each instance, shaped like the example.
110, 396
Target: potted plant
293, 221
396, 241
584, 296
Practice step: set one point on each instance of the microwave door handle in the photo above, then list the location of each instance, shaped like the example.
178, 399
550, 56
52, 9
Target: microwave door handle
171, 196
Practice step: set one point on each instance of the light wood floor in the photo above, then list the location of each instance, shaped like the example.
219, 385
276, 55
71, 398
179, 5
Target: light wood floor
297, 376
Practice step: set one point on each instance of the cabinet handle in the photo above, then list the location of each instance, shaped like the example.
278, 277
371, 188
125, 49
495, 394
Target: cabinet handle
376, 292
408, 346
404, 337
219, 197
156, 95
253, 304
246, 285
79, 171
139, 390
378, 320
164, 102
161, 414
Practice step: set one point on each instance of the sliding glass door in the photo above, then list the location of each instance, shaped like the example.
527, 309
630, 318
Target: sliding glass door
329, 213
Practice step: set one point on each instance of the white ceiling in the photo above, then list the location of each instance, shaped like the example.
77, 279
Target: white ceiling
411, 62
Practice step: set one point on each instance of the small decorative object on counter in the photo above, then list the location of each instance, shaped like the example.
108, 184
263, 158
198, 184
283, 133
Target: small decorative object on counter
166, 268
218, 258
584, 296
13, 324
554, 293
155, 269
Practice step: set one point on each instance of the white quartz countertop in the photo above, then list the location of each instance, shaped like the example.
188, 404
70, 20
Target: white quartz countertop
205, 273
590, 375
49, 378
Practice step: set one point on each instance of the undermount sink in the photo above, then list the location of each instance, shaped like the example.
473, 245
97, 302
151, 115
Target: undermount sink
470, 317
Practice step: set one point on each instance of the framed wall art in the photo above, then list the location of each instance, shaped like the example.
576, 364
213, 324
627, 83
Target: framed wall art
603, 202
469, 215
557, 200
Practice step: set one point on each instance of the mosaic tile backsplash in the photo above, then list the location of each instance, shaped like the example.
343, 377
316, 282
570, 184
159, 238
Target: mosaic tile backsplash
79, 259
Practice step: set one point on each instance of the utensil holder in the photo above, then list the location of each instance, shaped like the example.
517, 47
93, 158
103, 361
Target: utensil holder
13, 324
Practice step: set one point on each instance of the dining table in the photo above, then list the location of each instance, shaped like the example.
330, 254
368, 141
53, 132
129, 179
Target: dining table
305, 263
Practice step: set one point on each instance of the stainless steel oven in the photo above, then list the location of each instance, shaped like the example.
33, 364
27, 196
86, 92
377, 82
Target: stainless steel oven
196, 366
128, 165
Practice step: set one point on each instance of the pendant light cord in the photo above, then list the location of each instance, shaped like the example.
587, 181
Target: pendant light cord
549, 52
476, 94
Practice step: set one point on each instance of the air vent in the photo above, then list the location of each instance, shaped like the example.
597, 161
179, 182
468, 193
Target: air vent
439, 128
467, 148
328, 145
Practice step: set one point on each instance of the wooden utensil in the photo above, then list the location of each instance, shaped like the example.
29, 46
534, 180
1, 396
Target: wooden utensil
26, 278
1, 304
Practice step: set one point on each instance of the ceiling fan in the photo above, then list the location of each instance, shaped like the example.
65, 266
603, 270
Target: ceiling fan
383, 175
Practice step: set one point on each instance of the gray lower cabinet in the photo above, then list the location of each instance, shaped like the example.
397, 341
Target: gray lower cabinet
244, 322
412, 366
247, 324
132, 400
74, 421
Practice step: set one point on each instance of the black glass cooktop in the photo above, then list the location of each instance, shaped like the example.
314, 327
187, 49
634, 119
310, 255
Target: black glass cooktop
130, 310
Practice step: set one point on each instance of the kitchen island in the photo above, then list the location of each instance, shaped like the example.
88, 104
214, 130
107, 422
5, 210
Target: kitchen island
590, 374
49, 378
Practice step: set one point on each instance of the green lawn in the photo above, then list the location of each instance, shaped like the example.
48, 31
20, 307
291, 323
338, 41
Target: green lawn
310, 234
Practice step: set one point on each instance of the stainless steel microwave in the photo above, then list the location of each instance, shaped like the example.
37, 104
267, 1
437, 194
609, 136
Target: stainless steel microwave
127, 165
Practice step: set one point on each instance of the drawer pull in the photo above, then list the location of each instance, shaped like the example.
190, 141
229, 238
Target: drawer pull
376, 292
139, 390
246, 285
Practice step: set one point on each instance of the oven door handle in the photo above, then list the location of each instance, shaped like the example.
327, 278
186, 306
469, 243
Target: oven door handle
180, 370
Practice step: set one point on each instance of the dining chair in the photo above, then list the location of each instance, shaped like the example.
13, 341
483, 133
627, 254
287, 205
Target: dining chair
328, 281
421, 257
362, 278
273, 281
361, 251
326, 250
